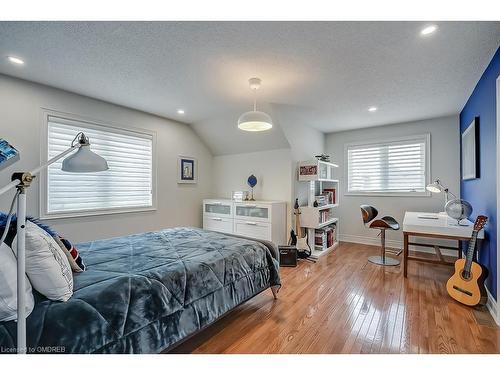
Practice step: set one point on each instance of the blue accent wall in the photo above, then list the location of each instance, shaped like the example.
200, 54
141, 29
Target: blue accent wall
481, 192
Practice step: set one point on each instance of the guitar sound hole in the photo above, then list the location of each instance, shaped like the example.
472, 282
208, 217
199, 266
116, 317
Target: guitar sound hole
465, 275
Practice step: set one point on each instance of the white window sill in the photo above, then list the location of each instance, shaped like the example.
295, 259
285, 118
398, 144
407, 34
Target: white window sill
67, 215
388, 194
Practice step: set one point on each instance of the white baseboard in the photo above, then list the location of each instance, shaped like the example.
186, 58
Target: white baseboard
492, 306
389, 243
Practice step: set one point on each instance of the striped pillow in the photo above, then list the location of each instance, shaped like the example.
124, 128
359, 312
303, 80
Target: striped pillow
74, 258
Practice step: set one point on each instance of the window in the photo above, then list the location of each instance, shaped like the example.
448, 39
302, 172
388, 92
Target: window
126, 186
398, 166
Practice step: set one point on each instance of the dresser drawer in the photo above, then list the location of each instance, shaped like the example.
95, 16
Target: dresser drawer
218, 224
218, 208
252, 212
253, 229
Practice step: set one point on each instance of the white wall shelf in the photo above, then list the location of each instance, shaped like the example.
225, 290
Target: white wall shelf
319, 175
327, 206
316, 253
316, 170
311, 217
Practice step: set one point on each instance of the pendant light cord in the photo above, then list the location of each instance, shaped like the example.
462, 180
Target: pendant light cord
255, 100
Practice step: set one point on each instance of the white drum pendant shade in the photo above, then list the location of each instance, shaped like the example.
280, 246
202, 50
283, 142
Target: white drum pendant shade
255, 121
84, 161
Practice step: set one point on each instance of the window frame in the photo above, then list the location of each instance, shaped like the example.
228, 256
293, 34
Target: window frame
426, 137
98, 125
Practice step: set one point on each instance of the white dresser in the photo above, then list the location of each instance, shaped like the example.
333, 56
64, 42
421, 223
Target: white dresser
264, 220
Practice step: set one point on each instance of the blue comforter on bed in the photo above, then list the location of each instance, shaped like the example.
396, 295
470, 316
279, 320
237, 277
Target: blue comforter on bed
143, 293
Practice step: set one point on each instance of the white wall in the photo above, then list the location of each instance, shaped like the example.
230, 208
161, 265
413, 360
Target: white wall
178, 205
275, 169
272, 169
445, 164
305, 143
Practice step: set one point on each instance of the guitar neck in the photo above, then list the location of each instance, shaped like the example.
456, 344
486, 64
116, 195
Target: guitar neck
470, 251
297, 223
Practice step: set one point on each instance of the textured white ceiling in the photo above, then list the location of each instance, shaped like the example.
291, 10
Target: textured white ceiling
330, 72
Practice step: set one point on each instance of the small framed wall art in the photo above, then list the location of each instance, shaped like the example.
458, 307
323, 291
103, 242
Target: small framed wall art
8, 154
470, 151
187, 171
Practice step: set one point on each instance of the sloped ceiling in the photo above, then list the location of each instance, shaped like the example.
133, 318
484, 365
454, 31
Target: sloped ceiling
320, 75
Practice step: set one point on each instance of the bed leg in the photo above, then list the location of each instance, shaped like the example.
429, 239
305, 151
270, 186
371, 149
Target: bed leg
275, 289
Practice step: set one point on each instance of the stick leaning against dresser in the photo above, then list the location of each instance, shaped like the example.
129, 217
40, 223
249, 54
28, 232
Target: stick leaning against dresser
264, 220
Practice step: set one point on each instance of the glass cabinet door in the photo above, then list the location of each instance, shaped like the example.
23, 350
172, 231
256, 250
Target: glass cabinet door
218, 208
252, 211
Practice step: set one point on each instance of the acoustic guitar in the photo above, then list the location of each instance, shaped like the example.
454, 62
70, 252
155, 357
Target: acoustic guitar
467, 283
301, 243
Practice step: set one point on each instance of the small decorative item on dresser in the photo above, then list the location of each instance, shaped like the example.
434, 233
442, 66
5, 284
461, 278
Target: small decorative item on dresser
252, 181
288, 256
240, 196
187, 170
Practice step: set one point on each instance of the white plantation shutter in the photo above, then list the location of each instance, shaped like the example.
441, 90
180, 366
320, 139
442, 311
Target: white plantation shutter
128, 184
398, 166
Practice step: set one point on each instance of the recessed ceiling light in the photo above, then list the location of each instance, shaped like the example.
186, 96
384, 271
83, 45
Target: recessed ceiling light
15, 60
180, 111
372, 109
428, 30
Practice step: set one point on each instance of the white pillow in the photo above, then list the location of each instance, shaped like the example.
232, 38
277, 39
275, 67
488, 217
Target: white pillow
46, 265
8, 286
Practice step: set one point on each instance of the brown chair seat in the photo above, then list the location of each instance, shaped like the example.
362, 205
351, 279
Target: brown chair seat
369, 215
387, 222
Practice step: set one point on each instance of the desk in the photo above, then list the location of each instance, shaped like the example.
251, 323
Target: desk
441, 226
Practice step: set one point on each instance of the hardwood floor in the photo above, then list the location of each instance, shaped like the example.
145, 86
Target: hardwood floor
344, 304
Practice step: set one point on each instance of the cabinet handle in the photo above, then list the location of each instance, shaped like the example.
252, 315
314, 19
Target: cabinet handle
250, 223
217, 219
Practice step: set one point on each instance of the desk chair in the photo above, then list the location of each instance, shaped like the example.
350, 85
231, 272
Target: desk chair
369, 214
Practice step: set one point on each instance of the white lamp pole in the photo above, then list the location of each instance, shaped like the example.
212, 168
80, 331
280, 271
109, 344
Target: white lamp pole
84, 160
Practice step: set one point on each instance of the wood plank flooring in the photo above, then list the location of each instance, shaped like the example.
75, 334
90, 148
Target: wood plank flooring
344, 304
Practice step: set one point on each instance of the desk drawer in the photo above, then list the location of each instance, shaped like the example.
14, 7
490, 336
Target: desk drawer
218, 224
253, 229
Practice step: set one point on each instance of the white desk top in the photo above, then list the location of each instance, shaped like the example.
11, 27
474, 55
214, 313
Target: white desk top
440, 224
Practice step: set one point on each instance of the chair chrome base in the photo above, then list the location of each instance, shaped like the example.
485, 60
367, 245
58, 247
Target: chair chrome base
383, 261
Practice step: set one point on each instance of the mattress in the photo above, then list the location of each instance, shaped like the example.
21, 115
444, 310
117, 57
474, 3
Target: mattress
144, 293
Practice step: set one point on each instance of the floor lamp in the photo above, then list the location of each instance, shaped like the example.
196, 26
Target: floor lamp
82, 161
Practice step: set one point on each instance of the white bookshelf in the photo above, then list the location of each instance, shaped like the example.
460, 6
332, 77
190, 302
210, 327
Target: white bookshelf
318, 175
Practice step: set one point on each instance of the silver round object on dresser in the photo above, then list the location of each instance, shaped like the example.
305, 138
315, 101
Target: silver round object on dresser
458, 209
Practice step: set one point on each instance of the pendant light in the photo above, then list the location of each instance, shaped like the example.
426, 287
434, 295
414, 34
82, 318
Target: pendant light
255, 121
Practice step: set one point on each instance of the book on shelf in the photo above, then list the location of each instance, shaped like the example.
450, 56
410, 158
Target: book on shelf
325, 215
322, 200
325, 237
331, 194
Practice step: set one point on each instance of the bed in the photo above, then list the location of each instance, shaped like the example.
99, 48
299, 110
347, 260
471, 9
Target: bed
147, 292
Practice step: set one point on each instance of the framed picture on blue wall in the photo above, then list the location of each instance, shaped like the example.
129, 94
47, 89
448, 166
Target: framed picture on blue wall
187, 170
470, 151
